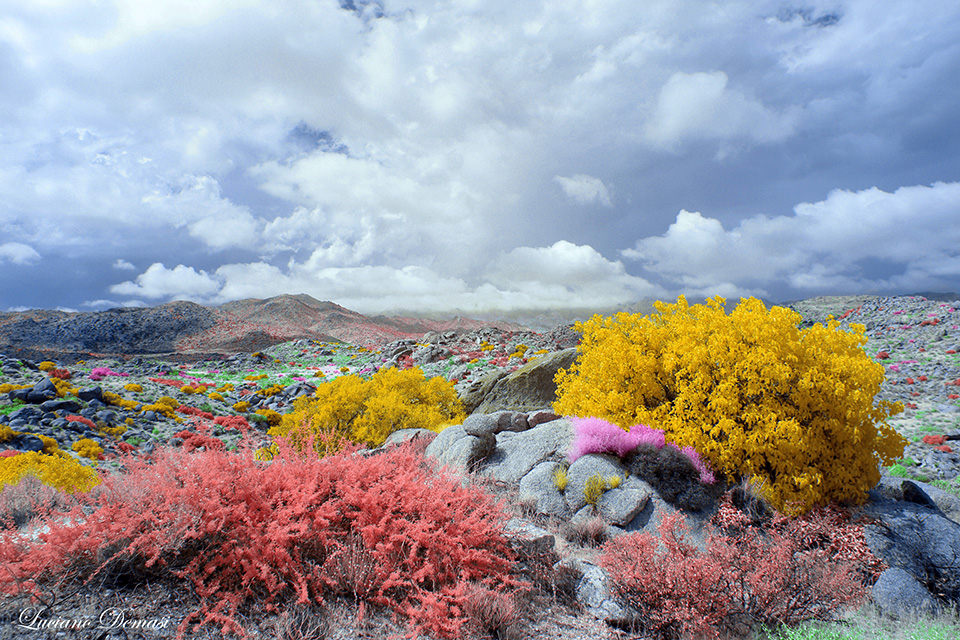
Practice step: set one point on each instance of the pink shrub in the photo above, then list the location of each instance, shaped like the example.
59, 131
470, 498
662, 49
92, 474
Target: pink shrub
594, 435
278, 537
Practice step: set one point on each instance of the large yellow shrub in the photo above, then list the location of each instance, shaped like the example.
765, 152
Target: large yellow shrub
367, 411
751, 392
57, 470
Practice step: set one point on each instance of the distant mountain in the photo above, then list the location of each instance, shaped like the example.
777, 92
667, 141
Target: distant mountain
188, 328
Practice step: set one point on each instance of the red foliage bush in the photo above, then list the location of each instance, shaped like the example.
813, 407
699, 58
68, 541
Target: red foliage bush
740, 580
233, 422
62, 374
86, 421
193, 441
279, 536
194, 411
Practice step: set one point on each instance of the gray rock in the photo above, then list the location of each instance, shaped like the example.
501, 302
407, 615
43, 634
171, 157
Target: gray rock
594, 592
474, 394
529, 388
459, 450
517, 453
479, 423
539, 489
897, 592
918, 539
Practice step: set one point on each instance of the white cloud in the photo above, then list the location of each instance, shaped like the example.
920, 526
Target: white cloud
700, 106
179, 283
584, 189
18, 253
822, 247
561, 276
123, 265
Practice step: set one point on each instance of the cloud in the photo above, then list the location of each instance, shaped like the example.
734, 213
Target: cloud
584, 189
837, 244
561, 276
701, 106
123, 265
18, 253
179, 283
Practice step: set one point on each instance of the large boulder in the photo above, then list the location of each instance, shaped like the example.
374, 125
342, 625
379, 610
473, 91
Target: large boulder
529, 388
914, 535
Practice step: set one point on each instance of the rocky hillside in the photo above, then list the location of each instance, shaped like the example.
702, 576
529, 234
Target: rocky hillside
185, 330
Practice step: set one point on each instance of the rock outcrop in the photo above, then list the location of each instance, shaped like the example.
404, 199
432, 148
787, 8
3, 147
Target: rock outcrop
914, 534
529, 388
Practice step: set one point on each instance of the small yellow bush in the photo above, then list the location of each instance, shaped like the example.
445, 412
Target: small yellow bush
57, 470
112, 398
560, 480
273, 417
46, 365
215, 396
614, 481
50, 445
87, 448
187, 389
241, 407
272, 390
6, 387
593, 489
64, 388
367, 411
133, 387
6, 433
752, 393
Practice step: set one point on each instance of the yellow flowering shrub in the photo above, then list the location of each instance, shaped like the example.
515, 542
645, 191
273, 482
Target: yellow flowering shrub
57, 470
6, 387
165, 406
114, 399
64, 388
241, 407
273, 417
262, 376
752, 393
6, 433
49, 444
216, 396
272, 390
367, 411
134, 387
46, 365
187, 389
88, 448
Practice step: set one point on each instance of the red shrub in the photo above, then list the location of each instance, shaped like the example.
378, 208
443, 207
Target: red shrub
740, 579
62, 374
193, 411
275, 538
233, 422
193, 441
81, 420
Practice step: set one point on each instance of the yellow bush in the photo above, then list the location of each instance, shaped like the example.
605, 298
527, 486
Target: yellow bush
64, 388
752, 393
87, 448
560, 479
593, 489
367, 411
112, 398
272, 390
614, 481
241, 407
273, 417
216, 396
6, 433
187, 389
46, 365
6, 387
50, 445
262, 376
57, 470
134, 387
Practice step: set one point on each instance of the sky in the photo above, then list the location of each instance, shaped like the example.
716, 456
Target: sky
476, 157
